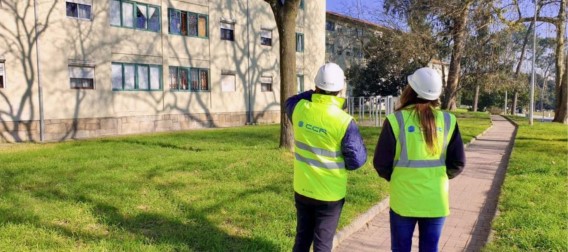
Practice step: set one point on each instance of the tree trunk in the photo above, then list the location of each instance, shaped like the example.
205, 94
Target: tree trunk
476, 98
285, 16
458, 35
518, 69
523, 50
514, 105
561, 113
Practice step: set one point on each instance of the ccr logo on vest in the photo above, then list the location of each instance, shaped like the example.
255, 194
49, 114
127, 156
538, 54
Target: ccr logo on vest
313, 128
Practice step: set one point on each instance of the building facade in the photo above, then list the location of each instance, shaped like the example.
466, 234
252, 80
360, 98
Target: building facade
346, 38
113, 67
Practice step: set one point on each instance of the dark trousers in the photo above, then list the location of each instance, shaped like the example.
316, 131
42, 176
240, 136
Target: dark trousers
429, 230
316, 222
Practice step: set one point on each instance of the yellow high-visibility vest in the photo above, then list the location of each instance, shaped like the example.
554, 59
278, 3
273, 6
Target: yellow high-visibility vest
419, 184
319, 167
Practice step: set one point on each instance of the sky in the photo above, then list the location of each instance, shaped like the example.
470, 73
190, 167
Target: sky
363, 9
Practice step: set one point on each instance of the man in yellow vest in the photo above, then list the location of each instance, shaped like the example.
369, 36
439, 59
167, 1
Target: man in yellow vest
327, 144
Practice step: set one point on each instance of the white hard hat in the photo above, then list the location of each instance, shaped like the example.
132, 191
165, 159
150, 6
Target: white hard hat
330, 78
427, 83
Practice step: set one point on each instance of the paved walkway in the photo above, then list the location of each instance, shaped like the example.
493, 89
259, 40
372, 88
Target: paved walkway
473, 199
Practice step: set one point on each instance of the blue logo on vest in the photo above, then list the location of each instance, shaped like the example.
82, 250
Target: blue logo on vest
439, 129
411, 129
312, 128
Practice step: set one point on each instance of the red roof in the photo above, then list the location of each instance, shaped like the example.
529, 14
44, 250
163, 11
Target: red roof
356, 20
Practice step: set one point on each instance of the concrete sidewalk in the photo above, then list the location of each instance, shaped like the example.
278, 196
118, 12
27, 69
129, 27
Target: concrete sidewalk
473, 198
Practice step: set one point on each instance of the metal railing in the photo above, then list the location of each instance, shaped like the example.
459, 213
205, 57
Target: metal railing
371, 110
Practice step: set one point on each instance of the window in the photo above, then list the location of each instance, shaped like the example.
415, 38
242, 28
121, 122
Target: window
115, 18
187, 23
202, 25
227, 31
193, 25
300, 81
329, 48
358, 52
266, 37
135, 15
329, 25
266, 84
299, 42
78, 9
189, 79
2, 75
82, 77
127, 14
355, 32
127, 76
228, 82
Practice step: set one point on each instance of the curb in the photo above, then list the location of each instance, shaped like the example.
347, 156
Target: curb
478, 136
491, 234
363, 220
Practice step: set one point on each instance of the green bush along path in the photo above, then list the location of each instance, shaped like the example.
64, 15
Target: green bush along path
207, 190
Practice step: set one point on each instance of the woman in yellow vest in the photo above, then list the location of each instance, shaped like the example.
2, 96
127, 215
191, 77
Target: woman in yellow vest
419, 150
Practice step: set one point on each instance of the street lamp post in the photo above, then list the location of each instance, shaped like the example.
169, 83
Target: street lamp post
531, 105
505, 104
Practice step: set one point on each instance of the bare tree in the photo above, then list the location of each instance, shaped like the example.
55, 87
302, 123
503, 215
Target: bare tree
285, 13
559, 21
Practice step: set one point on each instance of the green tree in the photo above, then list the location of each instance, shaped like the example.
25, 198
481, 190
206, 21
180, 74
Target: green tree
391, 57
447, 21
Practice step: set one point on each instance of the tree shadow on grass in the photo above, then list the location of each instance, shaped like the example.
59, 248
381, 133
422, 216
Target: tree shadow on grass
226, 141
190, 228
192, 231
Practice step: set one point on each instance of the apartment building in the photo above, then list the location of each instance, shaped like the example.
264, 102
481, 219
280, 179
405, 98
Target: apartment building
86, 68
346, 38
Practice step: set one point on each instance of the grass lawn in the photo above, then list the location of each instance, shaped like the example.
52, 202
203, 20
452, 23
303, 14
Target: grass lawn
207, 190
532, 207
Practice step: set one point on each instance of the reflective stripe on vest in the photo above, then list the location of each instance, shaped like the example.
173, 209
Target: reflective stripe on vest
316, 163
318, 151
403, 161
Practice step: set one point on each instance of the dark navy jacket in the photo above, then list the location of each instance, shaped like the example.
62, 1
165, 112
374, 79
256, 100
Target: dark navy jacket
352, 147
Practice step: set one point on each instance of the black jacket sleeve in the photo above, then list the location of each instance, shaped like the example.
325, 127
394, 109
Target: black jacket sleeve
455, 155
385, 152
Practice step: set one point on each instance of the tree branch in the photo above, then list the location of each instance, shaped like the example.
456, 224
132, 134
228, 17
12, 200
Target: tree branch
550, 20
